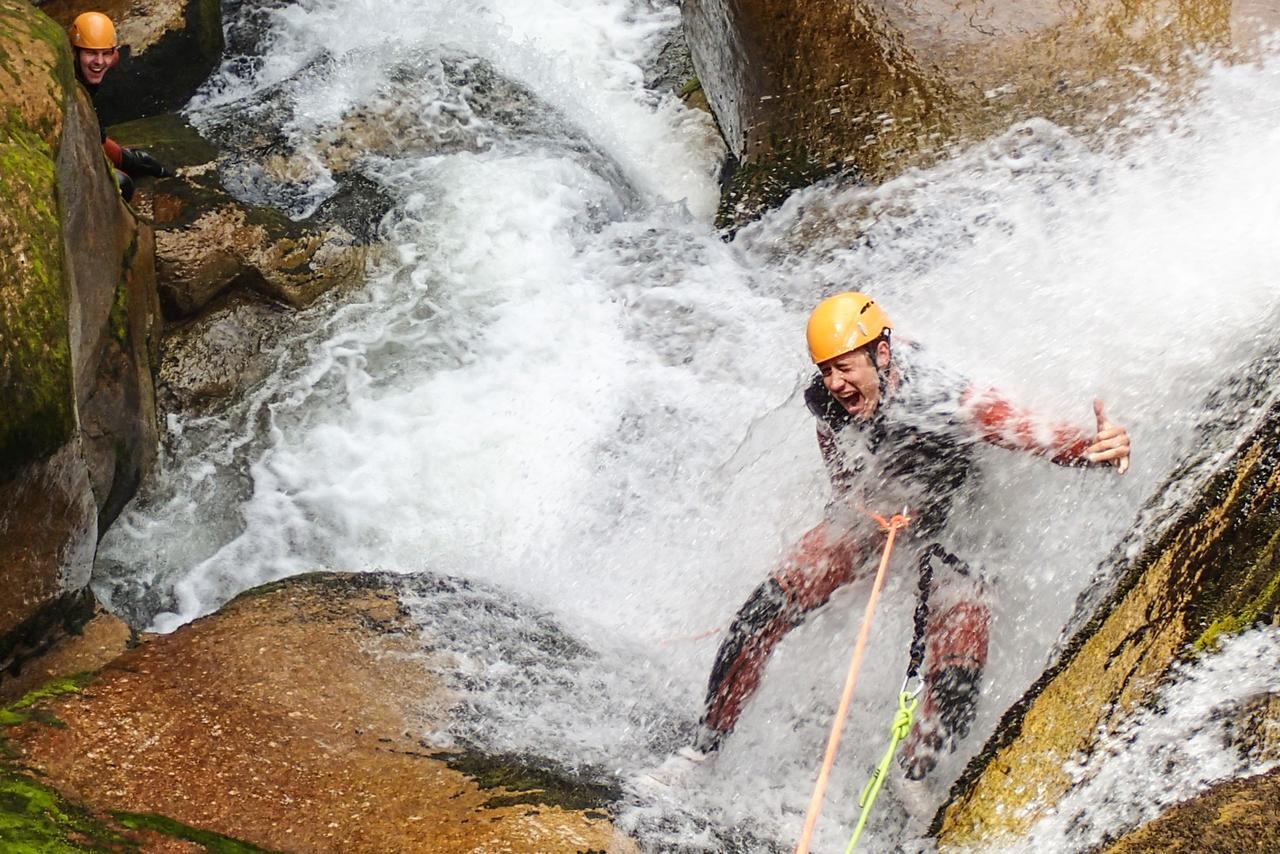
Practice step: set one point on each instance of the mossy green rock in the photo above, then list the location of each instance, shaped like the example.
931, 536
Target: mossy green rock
77, 342
37, 819
35, 349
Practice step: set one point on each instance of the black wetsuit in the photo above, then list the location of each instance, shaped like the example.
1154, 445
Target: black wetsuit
917, 451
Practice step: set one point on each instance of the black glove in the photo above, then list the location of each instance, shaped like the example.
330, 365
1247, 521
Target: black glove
136, 162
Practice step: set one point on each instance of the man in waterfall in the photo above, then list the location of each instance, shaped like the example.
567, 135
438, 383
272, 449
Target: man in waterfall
96, 51
893, 433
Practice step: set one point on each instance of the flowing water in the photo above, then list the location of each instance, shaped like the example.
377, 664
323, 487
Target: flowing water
560, 385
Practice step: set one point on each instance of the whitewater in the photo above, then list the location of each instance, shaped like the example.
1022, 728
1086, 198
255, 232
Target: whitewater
559, 382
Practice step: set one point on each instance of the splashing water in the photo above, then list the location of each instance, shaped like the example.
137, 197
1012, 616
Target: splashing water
562, 385
1166, 754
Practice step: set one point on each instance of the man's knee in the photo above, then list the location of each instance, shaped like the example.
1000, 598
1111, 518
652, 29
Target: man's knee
822, 563
959, 614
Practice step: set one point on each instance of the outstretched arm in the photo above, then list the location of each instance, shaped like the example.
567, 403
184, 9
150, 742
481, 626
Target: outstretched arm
997, 421
134, 161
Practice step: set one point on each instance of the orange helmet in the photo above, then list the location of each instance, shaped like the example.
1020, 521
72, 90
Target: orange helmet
93, 31
843, 323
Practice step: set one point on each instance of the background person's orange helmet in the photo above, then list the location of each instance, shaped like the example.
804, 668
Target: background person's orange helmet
93, 31
843, 323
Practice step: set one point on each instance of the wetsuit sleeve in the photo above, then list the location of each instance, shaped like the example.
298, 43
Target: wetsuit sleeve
999, 422
114, 152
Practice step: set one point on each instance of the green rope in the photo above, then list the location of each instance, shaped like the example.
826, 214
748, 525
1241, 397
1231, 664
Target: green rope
907, 702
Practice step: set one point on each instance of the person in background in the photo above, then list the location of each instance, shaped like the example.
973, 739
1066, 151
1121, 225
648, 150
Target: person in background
894, 433
96, 49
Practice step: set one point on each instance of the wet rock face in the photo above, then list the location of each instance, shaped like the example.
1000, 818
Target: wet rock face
1239, 815
274, 154
208, 243
872, 86
173, 45
77, 342
294, 720
1215, 569
219, 355
48, 531
110, 257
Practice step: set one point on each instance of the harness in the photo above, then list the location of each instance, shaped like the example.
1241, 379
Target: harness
915, 658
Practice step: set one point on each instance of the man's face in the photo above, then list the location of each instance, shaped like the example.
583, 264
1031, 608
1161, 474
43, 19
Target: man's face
853, 380
94, 64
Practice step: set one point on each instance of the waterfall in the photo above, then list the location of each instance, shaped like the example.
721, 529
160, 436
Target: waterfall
560, 383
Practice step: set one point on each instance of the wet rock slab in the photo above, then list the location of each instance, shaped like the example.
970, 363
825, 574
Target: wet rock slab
1239, 815
868, 88
292, 720
1213, 571
78, 338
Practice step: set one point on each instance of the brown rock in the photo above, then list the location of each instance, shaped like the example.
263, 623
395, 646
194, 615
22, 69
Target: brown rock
48, 532
1230, 818
208, 244
116, 340
90, 648
290, 720
220, 354
1212, 570
224, 247
1255, 732
77, 343
805, 88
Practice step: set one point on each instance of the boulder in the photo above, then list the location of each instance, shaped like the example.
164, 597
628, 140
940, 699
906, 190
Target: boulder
295, 719
1214, 569
208, 243
111, 269
221, 354
173, 46
77, 337
35, 327
807, 88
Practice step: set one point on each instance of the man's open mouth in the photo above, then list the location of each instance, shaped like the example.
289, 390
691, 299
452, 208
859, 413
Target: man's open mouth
851, 402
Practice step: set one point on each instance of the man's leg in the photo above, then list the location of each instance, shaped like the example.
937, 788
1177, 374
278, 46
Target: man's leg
956, 640
820, 564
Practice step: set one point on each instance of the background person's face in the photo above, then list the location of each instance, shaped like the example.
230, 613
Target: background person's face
94, 64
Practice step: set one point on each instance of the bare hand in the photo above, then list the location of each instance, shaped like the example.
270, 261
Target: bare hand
1111, 444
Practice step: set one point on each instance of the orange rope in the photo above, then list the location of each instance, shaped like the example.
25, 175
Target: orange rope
892, 526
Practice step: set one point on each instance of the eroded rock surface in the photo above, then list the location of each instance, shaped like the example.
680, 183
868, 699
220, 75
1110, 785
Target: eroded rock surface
292, 720
208, 243
221, 354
